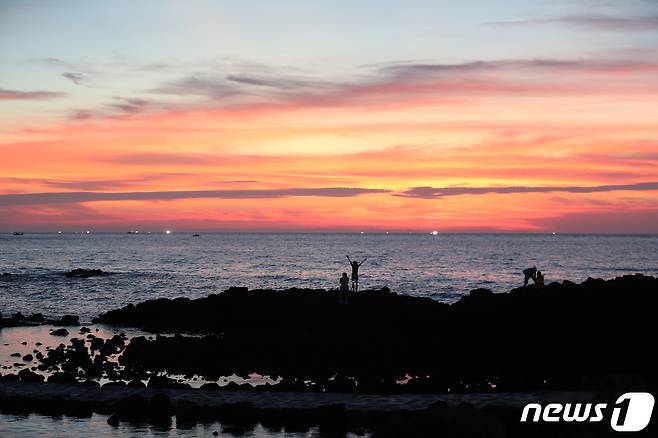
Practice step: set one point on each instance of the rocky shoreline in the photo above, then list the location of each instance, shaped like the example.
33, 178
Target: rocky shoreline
563, 337
558, 337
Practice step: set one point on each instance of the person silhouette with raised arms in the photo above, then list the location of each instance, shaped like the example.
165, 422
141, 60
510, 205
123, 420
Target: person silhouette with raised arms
355, 272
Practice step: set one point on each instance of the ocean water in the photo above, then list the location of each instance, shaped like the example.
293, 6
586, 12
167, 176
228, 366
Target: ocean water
145, 266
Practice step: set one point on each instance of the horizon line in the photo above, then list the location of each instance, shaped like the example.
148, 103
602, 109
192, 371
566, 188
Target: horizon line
320, 231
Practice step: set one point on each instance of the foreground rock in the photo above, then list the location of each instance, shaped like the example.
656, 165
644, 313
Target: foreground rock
563, 336
60, 332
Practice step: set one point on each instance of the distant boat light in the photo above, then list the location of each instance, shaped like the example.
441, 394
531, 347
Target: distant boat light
168, 232
554, 233
434, 233
88, 232
362, 232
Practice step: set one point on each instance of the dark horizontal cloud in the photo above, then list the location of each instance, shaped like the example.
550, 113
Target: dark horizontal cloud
119, 106
197, 85
92, 185
597, 22
583, 65
82, 115
440, 192
281, 82
76, 197
249, 80
218, 86
28, 95
74, 77
129, 105
70, 184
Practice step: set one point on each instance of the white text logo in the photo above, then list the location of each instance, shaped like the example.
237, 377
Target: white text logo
630, 413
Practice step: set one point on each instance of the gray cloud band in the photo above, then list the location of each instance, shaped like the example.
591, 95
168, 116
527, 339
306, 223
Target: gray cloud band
76, 197
439, 192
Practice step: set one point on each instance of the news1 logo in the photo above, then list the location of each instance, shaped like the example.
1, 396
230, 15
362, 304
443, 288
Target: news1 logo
630, 413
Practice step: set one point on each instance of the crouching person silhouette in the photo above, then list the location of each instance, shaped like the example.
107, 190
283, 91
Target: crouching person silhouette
530, 273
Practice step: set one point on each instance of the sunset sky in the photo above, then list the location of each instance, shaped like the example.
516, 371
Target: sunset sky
512, 116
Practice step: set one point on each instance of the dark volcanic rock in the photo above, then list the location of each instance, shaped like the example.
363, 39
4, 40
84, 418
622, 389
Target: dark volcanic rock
60, 332
556, 337
96, 344
209, 387
67, 320
85, 273
35, 317
29, 376
137, 384
62, 377
112, 385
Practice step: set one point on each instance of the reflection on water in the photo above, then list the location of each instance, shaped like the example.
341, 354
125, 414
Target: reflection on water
96, 426
31, 340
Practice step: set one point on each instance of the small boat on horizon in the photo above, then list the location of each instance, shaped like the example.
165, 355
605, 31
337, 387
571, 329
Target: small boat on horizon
18, 233
195, 235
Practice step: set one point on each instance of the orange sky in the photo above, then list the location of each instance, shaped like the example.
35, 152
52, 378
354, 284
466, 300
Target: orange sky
540, 144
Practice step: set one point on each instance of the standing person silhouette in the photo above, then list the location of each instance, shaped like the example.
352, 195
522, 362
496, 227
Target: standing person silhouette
355, 272
344, 289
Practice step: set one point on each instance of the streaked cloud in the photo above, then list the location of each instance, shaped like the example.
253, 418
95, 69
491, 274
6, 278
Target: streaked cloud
129, 105
199, 84
592, 22
77, 197
440, 192
431, 81
75, 77
283, 82
28, 95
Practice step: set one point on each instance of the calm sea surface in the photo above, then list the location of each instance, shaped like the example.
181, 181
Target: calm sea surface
145, 266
